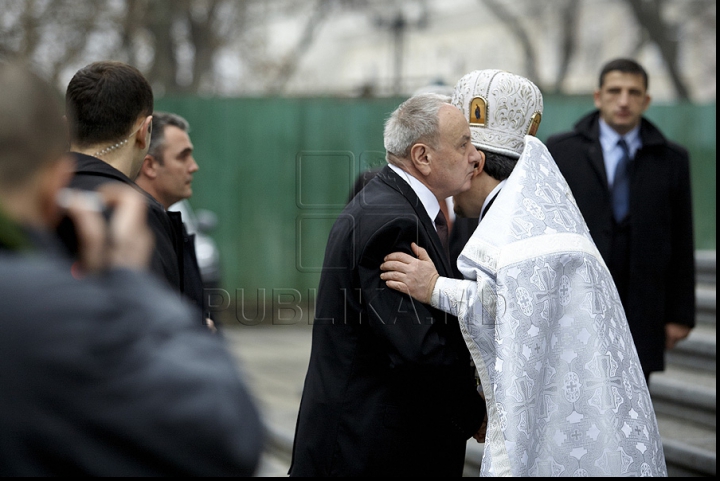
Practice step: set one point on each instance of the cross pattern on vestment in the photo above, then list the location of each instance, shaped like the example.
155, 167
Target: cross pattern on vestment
545, 278
549, 389
593, 303
561, 215
564, 291
606, 382
520, 228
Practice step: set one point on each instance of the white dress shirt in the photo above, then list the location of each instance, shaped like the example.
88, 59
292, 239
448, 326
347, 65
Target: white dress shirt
427, 198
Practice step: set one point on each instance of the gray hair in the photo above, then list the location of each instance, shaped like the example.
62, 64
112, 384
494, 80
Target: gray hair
161, 120
414, 120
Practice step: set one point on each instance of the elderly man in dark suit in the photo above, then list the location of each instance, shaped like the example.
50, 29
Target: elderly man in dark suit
390, 389
633, 188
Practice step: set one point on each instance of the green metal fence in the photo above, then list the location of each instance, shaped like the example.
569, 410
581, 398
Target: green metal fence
277, 172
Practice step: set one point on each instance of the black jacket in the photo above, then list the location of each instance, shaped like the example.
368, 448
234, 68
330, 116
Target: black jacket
193, 286
661, 267
112, 376
463, 228
389, 390
167, 260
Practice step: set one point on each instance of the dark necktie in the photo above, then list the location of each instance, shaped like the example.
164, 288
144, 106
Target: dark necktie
621, 184
442, 231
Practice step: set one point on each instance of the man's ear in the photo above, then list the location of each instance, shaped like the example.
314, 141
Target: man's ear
646, 102
149, 167
481, 165
144, 133
596, 98
420, 157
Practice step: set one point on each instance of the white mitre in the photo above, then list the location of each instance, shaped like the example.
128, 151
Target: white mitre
501, 107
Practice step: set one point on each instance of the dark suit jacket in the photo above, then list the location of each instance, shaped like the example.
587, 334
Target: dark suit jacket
462, 229
390, 389
460, 233
193, 286
661, 267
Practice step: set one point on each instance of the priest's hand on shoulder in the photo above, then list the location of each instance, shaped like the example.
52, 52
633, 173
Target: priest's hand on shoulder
411, 275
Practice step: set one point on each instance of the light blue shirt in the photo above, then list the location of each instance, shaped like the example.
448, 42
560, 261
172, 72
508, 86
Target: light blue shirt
427, 198
612, 152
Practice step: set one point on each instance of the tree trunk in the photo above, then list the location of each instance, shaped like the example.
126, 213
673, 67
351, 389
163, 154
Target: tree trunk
163, 72
514, 25
664, 34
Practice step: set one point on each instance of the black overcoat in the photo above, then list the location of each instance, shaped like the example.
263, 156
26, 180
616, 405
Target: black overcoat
661, 266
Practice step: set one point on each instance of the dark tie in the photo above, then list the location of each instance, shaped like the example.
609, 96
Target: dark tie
442, 230
621, 184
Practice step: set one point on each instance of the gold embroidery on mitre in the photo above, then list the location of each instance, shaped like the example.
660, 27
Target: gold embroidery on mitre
478, 111
534, 123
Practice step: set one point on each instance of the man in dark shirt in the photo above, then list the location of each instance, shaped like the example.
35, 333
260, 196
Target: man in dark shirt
166, 174
109, 109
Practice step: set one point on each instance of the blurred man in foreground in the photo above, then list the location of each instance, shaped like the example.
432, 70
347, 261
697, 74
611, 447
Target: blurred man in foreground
103, 373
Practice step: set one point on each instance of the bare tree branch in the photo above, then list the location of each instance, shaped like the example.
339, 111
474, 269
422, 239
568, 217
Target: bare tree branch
568, 24
204, 36
177, 43
130, 25
31, 33
163, 72
515, 26
665, 35
292, 59
78, 24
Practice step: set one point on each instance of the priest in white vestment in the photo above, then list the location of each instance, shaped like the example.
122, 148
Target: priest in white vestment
538, 307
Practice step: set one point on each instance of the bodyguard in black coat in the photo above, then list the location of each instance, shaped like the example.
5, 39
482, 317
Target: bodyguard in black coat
390, 390
109, 108
650, 251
